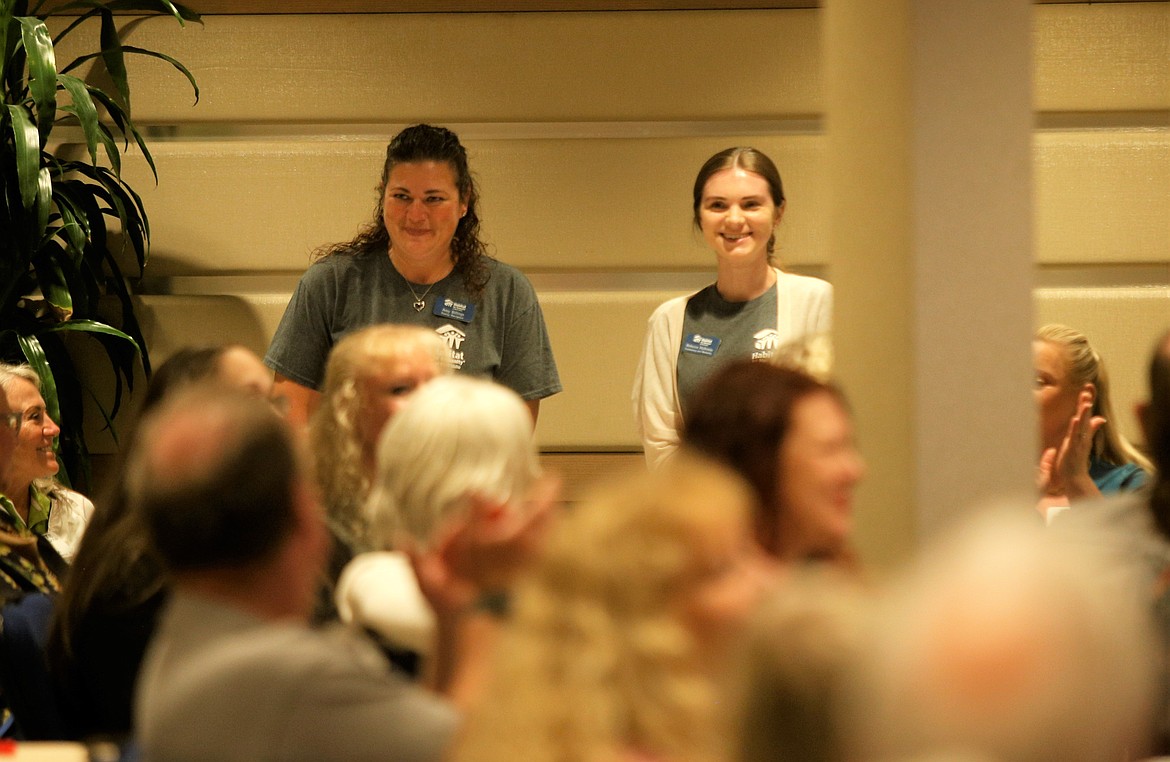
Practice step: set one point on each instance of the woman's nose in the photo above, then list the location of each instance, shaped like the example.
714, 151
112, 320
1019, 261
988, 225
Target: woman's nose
51, 428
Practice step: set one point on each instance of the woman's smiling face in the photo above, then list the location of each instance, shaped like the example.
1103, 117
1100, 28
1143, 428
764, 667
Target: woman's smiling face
33, 456
422, 208
737, 214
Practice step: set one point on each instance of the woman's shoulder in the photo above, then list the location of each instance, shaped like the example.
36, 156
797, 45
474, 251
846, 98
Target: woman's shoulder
61, 495
341, 268
1111, 478
809, 284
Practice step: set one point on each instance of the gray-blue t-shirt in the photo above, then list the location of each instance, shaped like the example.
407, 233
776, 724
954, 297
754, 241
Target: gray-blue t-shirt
716, 331
500, 334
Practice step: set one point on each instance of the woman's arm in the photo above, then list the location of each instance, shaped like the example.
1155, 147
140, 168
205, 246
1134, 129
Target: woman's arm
655, 394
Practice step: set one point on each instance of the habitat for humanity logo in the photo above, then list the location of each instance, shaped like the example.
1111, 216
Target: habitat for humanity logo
766, 342
454, 338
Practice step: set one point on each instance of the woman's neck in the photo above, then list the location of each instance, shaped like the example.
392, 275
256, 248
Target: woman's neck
422, 272
742, 284
19, 496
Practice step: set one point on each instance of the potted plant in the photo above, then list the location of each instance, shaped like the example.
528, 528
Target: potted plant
70, 227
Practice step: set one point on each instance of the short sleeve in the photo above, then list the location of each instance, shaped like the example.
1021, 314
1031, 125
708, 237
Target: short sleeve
304, 337
527, 365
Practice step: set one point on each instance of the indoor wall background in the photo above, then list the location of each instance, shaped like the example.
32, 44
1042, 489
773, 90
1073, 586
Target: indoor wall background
585, 131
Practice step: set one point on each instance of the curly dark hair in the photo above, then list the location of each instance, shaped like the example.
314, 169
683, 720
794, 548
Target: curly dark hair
424, 142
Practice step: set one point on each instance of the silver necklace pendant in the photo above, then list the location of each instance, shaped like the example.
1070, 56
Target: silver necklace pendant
419, 304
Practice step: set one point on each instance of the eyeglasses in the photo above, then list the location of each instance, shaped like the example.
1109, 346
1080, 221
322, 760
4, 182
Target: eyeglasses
11, 421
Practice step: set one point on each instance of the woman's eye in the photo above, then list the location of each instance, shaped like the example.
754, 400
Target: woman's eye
435, 199
401, 197
401, 390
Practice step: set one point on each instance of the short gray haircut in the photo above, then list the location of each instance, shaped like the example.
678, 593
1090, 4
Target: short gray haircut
458, 436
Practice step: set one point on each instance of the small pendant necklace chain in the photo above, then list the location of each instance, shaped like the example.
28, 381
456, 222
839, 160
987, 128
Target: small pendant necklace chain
418, 300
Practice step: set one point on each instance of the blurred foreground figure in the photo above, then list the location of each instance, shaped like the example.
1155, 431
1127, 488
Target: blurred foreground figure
618, 638
790, 435
233, 672
1007, 643
1133, 530
796, 670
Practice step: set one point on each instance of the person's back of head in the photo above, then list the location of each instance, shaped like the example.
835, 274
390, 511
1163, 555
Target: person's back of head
796, 668
213, 474
459, 436
1156, 421
1006, 642
606, 652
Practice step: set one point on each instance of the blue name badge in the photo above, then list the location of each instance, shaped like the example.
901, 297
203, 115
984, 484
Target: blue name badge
701, 345
446, 307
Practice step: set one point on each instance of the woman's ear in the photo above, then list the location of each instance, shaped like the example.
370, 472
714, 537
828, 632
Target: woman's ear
779, 212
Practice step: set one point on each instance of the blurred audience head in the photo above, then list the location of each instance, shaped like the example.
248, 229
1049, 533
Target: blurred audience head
459, 436
796, 670
232, 365
216, 479
1006, 642
791, 436
1064, 363
617, 635
369, 377
1155, 418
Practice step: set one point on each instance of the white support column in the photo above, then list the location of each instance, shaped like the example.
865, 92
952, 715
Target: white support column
929, 116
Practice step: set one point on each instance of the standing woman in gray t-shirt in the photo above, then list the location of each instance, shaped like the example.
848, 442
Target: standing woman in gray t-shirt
420, 261
752, 308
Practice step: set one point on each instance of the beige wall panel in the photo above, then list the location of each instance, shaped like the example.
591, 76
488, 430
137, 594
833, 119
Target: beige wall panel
625, 204
596, 337
1102, 57
1102, 196
484, 67
593, 204
1122, 324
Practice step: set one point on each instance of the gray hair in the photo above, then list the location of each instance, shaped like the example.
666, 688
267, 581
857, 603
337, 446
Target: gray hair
458, 436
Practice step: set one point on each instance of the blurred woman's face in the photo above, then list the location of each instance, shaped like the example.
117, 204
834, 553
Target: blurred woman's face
384, 388
1056, 392
33, 456
820, 468
733, 575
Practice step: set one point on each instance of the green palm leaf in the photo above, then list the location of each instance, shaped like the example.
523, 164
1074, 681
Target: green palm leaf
84, 110
42, 73
28, 153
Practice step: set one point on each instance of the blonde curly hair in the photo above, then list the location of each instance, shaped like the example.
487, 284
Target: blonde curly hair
597, 660
334, 434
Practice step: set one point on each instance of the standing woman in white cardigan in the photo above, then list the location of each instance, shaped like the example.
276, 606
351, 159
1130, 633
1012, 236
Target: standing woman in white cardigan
751, 309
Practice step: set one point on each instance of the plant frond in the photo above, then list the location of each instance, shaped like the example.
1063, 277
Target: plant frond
84, 110
42, 73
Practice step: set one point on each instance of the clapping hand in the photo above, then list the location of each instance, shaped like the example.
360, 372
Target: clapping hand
484, 550
1063, 471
